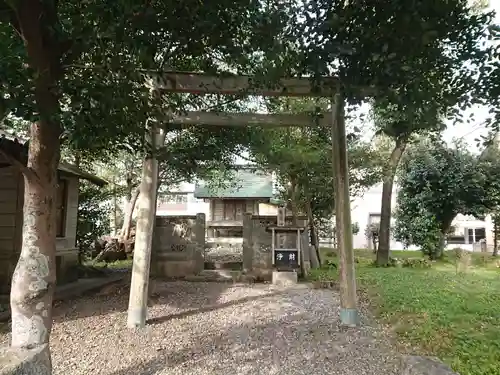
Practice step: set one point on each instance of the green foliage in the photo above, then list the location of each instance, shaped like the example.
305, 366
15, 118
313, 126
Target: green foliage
437, 183
302, 159
94, 211
446, 315
443, 36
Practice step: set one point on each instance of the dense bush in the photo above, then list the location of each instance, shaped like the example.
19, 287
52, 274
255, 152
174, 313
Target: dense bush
410, 262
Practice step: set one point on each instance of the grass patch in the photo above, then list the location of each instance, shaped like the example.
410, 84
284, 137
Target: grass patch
453, 316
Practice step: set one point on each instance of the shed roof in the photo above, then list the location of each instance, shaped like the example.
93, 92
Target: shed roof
247, 183
17, 148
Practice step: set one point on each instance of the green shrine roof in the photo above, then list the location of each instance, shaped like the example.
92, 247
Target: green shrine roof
247, 183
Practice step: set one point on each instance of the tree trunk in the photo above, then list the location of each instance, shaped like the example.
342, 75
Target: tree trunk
375, 245
129, 212
445, 229
315, 254
385, 211
34, 278
293, 199
494, 219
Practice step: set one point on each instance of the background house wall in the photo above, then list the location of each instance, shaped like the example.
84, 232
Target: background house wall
366, 209
179, 201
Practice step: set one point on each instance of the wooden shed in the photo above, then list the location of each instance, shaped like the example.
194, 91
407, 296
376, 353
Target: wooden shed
11, 213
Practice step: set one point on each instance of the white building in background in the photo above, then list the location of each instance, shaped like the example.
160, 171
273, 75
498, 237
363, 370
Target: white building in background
468, 230
180, 200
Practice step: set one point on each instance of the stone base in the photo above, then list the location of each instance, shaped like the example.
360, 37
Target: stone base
164, 268
66, 266
349, 317
415, 365
285, 278
306, 267
25, 362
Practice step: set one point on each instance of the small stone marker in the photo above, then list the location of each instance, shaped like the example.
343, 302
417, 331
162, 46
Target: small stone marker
285, 278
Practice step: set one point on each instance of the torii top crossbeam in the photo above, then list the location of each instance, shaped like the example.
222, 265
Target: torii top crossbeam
201, 83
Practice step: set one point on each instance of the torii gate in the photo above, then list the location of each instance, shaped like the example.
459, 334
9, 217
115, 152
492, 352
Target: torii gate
200, 83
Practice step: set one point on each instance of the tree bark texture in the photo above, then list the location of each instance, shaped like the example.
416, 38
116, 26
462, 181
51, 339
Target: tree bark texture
384, 239
129, 213
34, 278
495, 236
314, 256
293, 199
137, 309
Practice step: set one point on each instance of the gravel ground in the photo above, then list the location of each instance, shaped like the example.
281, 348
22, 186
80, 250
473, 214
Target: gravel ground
217, 329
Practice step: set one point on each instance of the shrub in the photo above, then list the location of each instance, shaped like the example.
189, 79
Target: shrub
409, 262
417, 263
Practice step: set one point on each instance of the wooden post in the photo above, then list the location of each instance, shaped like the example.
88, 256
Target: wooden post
247, 242
348, 311
280, 237
137, 308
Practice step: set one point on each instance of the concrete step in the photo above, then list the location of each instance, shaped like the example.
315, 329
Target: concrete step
221, 276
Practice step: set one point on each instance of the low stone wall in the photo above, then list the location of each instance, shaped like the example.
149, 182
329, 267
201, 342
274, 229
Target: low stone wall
178, 246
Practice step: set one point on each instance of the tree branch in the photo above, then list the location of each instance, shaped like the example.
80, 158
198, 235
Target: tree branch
28, 172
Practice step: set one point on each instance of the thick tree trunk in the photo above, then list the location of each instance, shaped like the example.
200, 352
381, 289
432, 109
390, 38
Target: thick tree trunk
129, 213
385, 211
445, 229
34, 278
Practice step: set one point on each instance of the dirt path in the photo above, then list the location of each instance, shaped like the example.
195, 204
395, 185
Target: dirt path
217, 329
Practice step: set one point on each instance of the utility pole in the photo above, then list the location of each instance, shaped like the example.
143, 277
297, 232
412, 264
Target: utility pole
348, 301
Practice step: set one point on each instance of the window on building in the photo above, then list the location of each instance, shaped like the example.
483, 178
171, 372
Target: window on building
181, 198
455, 239
475, 235
373, 218
61, 206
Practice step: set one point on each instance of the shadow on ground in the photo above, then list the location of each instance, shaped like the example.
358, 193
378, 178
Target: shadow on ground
217, 306
114, 298
289, 345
